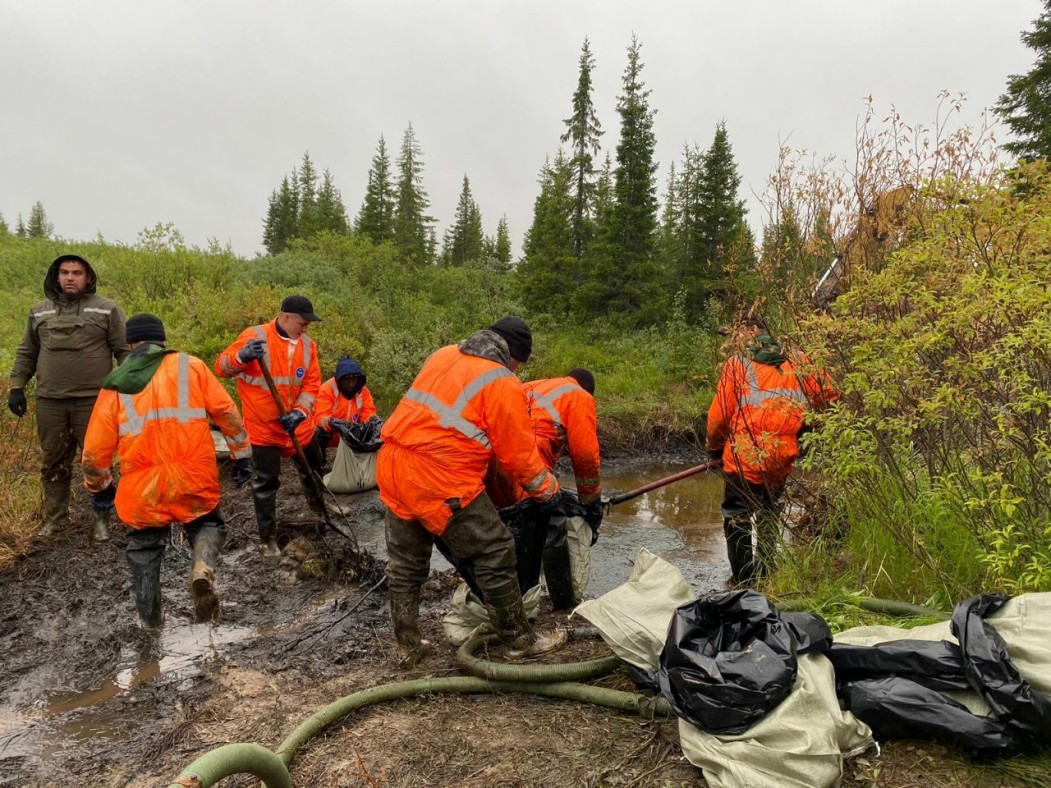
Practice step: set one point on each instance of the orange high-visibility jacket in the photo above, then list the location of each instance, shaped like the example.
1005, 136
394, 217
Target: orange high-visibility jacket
563, 417
333, 405
298, 380
757, 413
460, 411
161, 435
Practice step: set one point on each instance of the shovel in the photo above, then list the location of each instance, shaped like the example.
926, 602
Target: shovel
319, 486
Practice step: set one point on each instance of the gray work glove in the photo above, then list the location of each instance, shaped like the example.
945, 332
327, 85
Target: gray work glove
291, 420
256, 348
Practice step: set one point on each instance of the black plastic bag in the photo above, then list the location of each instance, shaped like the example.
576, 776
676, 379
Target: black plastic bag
936, 664
731, 658
528, 526
899, 708
992, 674
892, 686
361, 437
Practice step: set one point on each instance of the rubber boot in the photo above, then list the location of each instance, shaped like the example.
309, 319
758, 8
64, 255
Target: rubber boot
56, 507
738, 533
266, 518
405, 615
512, 627
100, 524
145, 569
202, 577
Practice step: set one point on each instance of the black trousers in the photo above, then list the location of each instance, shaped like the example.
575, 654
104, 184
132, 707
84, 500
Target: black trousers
742, 500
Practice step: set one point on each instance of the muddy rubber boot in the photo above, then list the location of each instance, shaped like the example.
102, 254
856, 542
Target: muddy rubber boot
405, 615
202, 577
738, 535
514, 630
146, 586
56, 507
100, 524
266, 518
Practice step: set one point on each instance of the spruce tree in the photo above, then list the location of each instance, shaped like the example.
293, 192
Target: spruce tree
282, 216
376, 218
630, 273
582, 132
38, 226
331, 214
413, 234
463, 240
1026, 106
502, 244
4, 229
549, 272
309, 222
20, 228
721, 234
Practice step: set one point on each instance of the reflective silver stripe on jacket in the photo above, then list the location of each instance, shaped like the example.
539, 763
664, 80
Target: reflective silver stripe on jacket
96, 309
358, 401
756, 396
45, 313
547, 401
305, 401
182, 412
450, 416
537, 481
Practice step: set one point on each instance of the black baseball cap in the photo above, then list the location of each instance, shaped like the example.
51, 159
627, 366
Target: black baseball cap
300, 305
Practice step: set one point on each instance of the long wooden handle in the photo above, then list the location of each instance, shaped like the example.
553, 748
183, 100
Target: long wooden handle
660, 483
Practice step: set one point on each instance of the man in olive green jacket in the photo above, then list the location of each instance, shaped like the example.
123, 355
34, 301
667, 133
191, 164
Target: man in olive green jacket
70, 342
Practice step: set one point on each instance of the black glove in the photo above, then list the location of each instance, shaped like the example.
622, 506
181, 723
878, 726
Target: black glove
552, 503
103, 500
16, 401
242, 472
292, 419
714, 457
256, 348
593, 517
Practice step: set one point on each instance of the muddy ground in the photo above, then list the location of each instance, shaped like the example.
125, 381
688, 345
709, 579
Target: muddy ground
86, 696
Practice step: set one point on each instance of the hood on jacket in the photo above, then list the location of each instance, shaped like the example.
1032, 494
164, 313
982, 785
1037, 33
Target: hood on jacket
51, 288
348, 366
487, 344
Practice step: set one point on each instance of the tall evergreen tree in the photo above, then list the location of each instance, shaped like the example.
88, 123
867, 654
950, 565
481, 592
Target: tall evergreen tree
629, 273
330, 213
463, 240
413, 234
20, 228
719, 228
1026, 106
583, 132
282, 216
4, 229
38, 225
548, 273
376, 218
502, 244
309, 222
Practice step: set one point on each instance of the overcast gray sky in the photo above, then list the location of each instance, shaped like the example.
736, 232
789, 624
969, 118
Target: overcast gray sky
118, 114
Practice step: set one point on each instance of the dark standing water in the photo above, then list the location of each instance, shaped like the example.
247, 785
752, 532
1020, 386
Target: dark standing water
681, 523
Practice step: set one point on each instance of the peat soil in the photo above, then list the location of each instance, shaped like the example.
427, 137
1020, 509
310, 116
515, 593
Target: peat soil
86, 696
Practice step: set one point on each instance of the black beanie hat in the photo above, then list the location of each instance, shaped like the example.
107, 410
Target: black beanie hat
145, 327
517, 335
584, 378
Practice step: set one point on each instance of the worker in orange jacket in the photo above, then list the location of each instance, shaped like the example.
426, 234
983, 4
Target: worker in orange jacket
562, 411
153, 412
343, 397
754, 424
292, 358
465, 406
